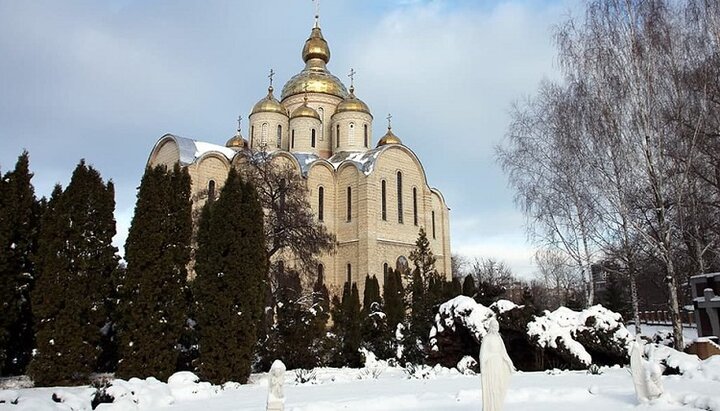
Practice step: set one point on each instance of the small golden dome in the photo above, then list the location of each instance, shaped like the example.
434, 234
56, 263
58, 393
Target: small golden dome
305, 111
389, 138
352, 103
269, 104
237, 142
316, 47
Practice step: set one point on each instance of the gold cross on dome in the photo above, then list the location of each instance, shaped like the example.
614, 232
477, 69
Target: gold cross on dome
352, 77
317, 12
389, 119
272, 74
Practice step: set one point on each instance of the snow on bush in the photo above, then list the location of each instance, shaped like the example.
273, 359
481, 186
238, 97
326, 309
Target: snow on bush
467, 365
502, 306
463, 311
574, 334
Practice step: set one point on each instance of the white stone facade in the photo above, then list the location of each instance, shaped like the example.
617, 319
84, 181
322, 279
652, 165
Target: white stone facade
374, 199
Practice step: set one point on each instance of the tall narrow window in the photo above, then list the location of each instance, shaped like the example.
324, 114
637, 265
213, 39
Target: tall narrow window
433, 223
337, 135
264, 135
349, 273
399, 197
385, 270
321, 203
252, 136
281, 266
415, 206
279, 136
292, 139
383, 200
312, 138
365, 133
349, 204
321, 273
321, 111
351, 133
211, 190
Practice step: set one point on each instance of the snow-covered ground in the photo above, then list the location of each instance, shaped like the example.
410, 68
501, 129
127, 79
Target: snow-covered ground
352, 389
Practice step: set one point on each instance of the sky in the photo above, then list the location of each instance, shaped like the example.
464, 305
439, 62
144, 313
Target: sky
104, 80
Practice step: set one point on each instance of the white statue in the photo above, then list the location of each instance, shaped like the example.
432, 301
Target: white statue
646, 375
276, 398
495, 368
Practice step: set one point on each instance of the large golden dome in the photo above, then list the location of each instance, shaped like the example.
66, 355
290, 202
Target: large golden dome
315, 75
269, 104
352, 103
305, 111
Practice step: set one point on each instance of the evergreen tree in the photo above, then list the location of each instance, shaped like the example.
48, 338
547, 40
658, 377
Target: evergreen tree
454, 288
373, 318
616, 296
19, 226
393, 293
152, 308
232, 269
468, 287
76, 260
352, 337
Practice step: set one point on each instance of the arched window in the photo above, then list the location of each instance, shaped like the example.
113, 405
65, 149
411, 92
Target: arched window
349, 204
349, 273
365, 133
337, 135
402, 264
351, 133
279, 136
321, 203
415, 206
281, 266
292, 139
264, 136
399, 197
211, 190
383, 200
385, 270
312, 138
433, 224
252, 136
321, 111
321, 273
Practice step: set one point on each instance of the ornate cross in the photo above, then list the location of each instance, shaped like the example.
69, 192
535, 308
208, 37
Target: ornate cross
389, 119
272, 74
317, 12
352, 77
239, 121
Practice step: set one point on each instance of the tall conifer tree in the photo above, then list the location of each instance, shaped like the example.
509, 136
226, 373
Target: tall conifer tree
232, 269
19, 226
76, 262
152, 310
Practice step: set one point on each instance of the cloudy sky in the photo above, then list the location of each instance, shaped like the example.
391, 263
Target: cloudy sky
103, 80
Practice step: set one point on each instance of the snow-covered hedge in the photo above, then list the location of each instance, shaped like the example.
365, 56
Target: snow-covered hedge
565, 338
582, 337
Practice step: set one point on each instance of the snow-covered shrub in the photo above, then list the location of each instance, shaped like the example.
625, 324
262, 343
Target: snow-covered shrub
373, 366
580, 338
418, 371
467, 366
594, 369
303, 376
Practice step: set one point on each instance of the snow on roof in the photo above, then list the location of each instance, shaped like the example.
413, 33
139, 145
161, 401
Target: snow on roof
364, 160
305, 160
191, 150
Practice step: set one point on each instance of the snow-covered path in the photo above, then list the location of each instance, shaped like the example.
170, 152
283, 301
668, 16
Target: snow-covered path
342, 390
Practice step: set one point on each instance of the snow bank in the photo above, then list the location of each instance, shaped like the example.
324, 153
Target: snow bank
571, 331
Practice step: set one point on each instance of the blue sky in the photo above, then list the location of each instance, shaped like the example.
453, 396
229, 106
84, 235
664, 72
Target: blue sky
104, 80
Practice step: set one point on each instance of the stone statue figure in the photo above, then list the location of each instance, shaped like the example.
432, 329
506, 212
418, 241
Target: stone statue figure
646, 375
276, 398
495, 368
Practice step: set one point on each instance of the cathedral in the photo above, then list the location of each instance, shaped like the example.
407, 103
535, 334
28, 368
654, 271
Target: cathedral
374, 197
